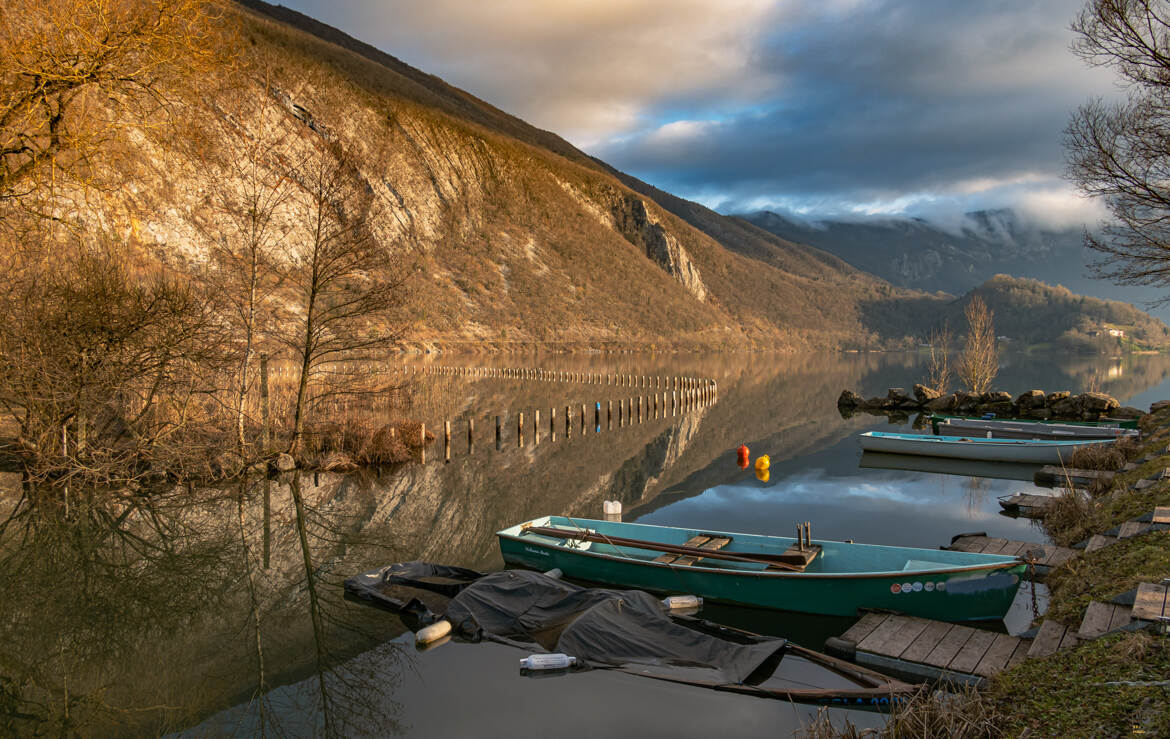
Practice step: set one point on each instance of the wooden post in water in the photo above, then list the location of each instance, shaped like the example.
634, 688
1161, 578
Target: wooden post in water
265, 428
621, 408
583, 419
267, 521
446, 441
609, 414
552, 423
499, 432
639, 409
568, 422
470, 435
422, 443
520, 429
535, 427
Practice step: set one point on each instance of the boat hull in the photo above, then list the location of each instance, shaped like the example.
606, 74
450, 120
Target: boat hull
968, 595
1011, 430
977, 448
1123, 423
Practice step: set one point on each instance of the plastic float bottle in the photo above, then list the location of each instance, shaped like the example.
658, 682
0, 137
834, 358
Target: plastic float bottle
742, 456
547, 662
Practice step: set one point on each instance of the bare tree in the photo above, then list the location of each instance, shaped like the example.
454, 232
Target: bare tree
347, 282
1121, 151
102, 364
939, 367
250, 183
979, 362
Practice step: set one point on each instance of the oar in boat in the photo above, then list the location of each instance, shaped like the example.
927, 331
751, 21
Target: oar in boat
772, 560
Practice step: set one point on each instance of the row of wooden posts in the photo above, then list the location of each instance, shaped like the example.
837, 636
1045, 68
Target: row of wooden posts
629, 411
588, 378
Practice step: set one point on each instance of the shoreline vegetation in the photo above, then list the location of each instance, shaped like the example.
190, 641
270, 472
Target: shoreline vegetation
1125, 673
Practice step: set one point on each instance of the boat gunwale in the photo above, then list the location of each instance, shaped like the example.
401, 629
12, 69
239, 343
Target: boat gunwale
995, 442
1008, 564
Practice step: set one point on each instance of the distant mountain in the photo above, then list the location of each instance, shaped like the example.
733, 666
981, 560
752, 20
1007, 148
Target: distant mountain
911, 252
1031, 312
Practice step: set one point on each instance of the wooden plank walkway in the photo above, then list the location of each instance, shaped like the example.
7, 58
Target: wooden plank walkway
1028, 505
1101, 618
932, 649
1152, 602
1051, 555
1051, 475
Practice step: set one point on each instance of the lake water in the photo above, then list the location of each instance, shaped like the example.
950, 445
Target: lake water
201, 613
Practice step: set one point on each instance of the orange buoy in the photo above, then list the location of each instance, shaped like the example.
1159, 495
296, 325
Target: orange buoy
742, 456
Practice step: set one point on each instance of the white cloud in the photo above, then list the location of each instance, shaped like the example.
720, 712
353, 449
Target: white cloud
586, 69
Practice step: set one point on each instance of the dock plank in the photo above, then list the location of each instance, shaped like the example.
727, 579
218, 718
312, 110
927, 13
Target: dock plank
949, 646
1131, 528
1162, 514
1047, 640
926, 641
1151, 603
974, 544
1098, 541
1122, 616
972, 652
1059, 556
878, 637
910, 629
997, 655
1020, 654
1097, 618
858, 631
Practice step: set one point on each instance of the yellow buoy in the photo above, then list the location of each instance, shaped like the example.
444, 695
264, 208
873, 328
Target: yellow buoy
763, 462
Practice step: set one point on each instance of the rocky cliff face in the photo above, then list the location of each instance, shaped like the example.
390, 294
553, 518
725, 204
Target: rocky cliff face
513, 236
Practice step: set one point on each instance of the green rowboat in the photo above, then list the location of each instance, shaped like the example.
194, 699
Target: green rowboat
767, 571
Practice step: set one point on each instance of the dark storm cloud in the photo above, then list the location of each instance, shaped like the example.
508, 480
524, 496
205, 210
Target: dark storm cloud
836, 105
885, 105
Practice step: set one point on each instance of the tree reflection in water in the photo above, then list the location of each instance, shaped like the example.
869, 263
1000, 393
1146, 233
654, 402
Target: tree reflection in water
133, 614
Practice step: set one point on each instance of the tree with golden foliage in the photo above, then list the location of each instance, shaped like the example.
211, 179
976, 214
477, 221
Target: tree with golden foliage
979, 362
74, 71
939, 366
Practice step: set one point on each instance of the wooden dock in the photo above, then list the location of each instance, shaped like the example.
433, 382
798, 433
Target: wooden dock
1028, 505
1051, 476
1048, 555
922, 649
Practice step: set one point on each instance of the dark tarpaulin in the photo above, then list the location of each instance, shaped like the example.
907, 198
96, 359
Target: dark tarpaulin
595, 625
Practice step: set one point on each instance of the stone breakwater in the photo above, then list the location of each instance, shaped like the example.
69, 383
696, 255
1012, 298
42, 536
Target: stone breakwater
1037, 404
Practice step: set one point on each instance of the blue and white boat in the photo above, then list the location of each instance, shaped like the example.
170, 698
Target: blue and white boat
1032, 451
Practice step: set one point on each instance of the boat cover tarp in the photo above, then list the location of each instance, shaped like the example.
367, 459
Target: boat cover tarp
596, 625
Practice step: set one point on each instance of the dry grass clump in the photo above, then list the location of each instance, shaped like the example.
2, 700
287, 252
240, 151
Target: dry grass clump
1069, 517
1110, 456
964, 713
341, 447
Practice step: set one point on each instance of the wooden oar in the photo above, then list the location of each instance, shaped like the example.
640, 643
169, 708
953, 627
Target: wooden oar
773, 560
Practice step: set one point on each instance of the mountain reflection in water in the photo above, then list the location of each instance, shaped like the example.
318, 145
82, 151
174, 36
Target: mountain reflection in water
214, 611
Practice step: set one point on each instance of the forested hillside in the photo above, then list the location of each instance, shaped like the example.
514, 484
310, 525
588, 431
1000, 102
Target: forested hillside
1032, 312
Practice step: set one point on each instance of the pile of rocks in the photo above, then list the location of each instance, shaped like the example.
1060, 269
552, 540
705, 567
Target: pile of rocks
1031, 404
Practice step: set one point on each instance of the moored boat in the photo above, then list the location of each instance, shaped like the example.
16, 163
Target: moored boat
1042, 451
824, 577
623, 630
1010, 429
1104, 423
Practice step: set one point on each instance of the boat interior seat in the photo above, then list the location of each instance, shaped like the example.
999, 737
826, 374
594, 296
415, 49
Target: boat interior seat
923, 564
702, 541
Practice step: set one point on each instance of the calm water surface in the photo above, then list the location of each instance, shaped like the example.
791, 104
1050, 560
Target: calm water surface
200, 613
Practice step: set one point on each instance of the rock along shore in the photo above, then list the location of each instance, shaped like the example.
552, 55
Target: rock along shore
1062, 404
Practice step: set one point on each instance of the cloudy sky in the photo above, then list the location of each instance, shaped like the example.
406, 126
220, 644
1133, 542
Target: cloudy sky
820, 107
